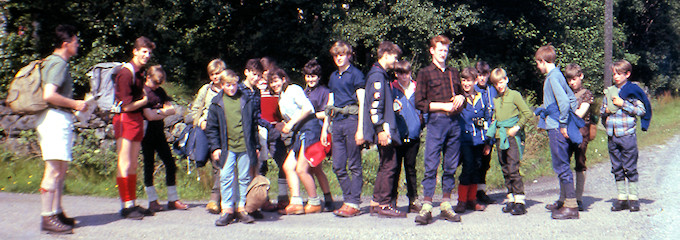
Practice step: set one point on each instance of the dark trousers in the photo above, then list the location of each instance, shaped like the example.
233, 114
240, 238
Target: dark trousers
509, 161
347, 159
154, 142
471, 158
559, 151
387, 173
484, 168
406, 154
579, 150
443, 135
623, 152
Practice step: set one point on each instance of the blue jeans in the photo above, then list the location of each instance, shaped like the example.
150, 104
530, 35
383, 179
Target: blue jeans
443, 138
241, 163
559, 151
347, 159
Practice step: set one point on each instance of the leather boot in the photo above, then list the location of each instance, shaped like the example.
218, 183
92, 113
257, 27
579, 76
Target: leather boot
565, 213
52, 225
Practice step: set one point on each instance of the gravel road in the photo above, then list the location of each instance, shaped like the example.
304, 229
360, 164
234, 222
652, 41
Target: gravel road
659, 188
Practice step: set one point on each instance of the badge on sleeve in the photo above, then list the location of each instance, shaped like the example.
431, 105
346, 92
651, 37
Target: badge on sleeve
377, 85
376, 95
375, 104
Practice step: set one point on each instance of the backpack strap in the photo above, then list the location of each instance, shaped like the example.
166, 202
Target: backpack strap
132, 70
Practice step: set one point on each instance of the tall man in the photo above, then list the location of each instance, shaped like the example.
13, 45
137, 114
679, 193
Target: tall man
381, 128
128, 125
438, 92
55, 129
345, 109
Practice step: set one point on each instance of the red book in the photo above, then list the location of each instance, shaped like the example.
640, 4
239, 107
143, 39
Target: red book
270, 106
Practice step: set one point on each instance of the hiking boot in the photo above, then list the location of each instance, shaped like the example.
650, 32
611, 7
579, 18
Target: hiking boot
390, 212
424, 217
449, 215
619, 205
293, 209
565, 213
269, 207
460, 207
256, 214
144, 211
413, 207
131, 213
518, 209
213, 207
309, 208
244, 217
554, 206
581, 207
155, 207
172, 205
634, 205
225, 219
328, 206
66, 220
52, 225
475, 206
347, 211
508, 207
483, 198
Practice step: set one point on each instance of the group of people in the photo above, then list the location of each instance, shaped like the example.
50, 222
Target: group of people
266, 115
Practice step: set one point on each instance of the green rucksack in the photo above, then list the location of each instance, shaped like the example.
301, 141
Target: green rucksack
25, 94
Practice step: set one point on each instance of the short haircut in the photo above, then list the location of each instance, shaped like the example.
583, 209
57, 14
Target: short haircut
63, 33
572, 70
497, 75
228, 76
268, 63
388, 47
546, 53
469, 73
156, 73
280, 74
402, 67
254, 65
622, 67
312, 68
439, 39
144, 42
216, 66
483, 68
341, 47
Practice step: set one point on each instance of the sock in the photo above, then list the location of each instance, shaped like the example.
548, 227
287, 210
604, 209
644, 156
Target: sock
151, 193
481, 187
122, 189
570, 203
427, 206
132, 186
47, 197
633, 191
509, 198
352, 205
314, 201
621, 189
519, 198
283, 187
327, 197
56, 204
580, 184
472, 192
296, 200
563, 193
172, 194
463, 193
446, 195
446, 205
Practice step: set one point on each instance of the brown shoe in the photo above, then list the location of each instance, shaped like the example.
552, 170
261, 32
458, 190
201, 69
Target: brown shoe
347, 211
213, 207
66, 220
460, 207
450, 216
155, 207
172, 205
52, 225
554, 206
372, 210
293, 209
312, 208
475, 206
390, 212
565, 213
269, 207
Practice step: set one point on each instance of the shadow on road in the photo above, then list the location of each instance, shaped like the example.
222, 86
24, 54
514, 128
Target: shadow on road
97, 219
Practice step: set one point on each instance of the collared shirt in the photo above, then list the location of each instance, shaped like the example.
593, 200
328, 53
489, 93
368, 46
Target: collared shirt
622, 122
435, 85
293, 100
345, 85
556, 90
318, 95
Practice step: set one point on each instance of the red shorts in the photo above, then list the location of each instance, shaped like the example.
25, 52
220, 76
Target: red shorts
129, 126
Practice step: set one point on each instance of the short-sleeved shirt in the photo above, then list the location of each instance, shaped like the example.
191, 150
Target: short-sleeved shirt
55, 71
345, 85
318, 95
156, 98
584, 96
128, 89
292, 101
232, 111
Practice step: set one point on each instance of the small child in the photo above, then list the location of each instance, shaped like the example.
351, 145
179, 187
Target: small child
628, 101
510, 116
232, 133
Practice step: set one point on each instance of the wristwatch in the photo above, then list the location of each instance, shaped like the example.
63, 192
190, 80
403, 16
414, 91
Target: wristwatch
158, 111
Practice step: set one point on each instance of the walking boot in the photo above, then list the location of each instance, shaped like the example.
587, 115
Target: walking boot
52, 225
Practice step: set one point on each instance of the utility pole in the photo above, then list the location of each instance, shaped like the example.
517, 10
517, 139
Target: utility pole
608, 52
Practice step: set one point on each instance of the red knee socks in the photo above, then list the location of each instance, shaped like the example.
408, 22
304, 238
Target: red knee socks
463, 193
472, 192
127, 187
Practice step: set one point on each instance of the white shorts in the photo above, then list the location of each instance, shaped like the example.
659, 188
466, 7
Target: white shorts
55, 134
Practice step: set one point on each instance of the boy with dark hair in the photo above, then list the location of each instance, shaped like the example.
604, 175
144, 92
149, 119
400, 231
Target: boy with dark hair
248, 87
489, 93
622, 104
584, 98
55, 129
439, 93
128, 125
381, 128
558, 104
345, 109
509, 119
159, 107
409, 123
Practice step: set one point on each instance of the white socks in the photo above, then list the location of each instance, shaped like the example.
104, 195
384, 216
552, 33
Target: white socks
172, 194
151, 193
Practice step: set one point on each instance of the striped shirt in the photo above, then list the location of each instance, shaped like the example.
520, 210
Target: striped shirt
622, 122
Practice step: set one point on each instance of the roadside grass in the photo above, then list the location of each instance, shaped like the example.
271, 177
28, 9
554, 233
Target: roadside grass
23, 173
